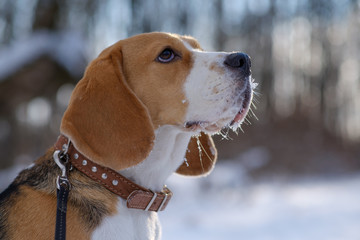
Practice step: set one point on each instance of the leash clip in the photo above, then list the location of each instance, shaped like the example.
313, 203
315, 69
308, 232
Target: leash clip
62, 160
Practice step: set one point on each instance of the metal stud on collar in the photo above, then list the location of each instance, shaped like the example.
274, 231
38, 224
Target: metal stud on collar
137, 196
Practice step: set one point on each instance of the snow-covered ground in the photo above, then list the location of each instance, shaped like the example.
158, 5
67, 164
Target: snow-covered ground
227, 205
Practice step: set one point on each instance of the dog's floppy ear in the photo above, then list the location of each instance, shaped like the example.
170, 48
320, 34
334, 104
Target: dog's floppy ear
200, 156
105, 120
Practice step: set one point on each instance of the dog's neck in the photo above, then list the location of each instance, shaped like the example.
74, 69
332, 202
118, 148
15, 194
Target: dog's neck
166, 156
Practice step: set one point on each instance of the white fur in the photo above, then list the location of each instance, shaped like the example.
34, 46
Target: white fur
214, 97
214, 93
167, 155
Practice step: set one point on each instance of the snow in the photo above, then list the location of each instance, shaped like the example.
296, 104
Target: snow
229, 205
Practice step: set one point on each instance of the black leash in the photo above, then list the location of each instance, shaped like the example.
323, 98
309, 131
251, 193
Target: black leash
60, 229
63, 189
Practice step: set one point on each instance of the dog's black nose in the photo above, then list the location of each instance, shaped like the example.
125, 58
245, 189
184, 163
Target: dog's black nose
239, 61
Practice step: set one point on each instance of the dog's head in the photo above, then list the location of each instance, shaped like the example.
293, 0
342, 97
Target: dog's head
150, 80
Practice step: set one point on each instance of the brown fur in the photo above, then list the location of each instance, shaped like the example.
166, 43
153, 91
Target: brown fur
158, 86
105, 120
217, 68
28, 207
37, 221
199, 163
124, 95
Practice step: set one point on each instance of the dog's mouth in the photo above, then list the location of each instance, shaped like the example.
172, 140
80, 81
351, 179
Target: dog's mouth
233, 123
240, 116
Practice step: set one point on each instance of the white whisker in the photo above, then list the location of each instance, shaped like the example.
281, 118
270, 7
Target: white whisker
253, 114
200, 152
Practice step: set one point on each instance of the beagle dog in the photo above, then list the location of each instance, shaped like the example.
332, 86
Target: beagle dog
145, 108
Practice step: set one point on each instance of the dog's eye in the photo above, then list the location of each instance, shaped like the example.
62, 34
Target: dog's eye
166, 56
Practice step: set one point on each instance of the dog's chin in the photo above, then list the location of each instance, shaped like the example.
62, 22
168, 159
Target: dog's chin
203, 126
215, 127
233, 122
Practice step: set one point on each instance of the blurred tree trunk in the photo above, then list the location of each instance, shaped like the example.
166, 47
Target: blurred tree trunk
220, 35
267, 73
46, 15
7, 14
137, 17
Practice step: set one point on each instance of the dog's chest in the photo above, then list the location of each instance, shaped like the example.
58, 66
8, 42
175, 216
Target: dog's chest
128, 224
168, 153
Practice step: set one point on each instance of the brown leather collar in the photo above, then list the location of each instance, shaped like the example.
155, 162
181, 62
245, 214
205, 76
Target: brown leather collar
136, 196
